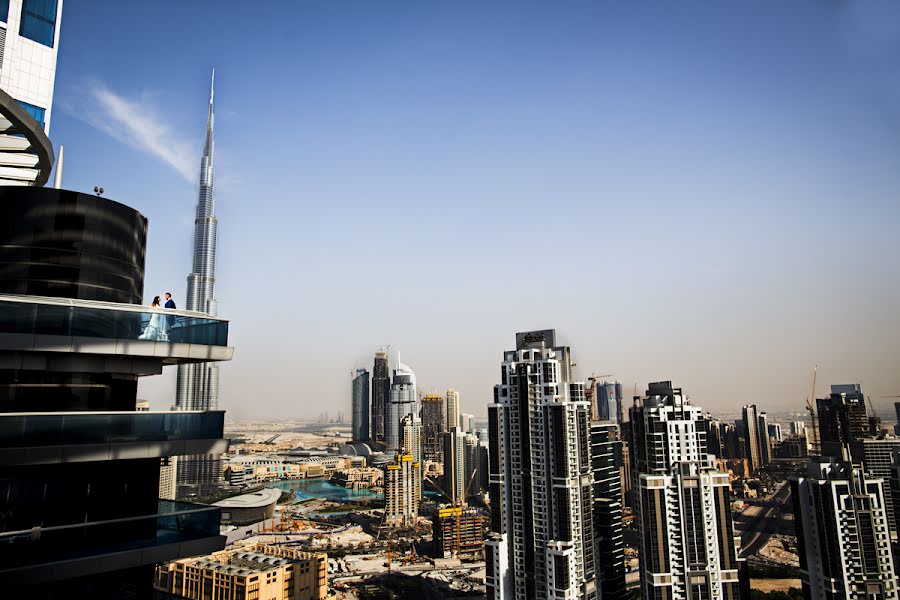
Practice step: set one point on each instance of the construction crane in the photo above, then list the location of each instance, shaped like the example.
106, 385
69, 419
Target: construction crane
810, 407
456, 509
272, 439
874, 420
871, 406
458, 515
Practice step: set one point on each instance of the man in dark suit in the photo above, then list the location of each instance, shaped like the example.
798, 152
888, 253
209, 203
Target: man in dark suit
170, 319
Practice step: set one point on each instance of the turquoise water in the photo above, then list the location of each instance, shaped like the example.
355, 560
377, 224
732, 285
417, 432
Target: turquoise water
304, 489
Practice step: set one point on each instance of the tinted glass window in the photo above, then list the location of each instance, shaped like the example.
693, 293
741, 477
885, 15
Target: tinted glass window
4, 10
38, 21
36, 112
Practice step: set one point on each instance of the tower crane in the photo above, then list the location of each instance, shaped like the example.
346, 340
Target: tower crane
455, 508
810, 407
871, 406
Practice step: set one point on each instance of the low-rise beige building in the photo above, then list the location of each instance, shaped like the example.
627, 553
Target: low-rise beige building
358, 479
257, 572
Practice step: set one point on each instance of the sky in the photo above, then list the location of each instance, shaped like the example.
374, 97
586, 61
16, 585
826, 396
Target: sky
707, 193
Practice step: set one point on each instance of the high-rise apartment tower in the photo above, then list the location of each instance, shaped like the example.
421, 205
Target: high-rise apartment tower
541, 543
455, 466
609, 545
843, 539
688, 548
842, 419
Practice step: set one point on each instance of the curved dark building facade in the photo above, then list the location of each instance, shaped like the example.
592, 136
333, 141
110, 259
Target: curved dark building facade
80, 506
67, 244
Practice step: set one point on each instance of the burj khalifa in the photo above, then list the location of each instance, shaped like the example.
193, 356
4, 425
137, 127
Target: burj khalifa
198, 384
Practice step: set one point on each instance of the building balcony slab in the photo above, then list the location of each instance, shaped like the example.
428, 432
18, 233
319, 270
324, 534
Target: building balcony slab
61, 325
65, 437
42, 555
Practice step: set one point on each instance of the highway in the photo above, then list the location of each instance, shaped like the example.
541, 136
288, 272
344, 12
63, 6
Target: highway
764, 524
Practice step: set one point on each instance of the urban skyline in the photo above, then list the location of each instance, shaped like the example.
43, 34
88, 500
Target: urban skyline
743, 302
593, 476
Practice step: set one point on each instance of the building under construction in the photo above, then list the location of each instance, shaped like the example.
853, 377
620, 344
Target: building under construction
459, 533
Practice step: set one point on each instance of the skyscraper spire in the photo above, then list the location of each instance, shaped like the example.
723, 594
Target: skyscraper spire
208, 148
198, 384
201, 281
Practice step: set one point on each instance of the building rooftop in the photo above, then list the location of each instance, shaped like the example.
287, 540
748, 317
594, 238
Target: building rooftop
243, 563
263, 497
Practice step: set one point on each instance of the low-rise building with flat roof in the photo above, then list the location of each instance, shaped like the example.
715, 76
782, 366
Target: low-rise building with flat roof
257, 571
363, 478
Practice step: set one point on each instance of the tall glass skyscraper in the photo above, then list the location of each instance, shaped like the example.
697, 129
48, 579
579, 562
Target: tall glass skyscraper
381, 393
360, 406
609, 401
751, 436
433, 427
403, 402
198, 384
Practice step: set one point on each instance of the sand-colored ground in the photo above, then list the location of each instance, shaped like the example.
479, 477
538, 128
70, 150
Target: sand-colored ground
774, 585
774, 550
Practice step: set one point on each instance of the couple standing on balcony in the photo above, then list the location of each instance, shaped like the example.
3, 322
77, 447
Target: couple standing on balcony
158, 329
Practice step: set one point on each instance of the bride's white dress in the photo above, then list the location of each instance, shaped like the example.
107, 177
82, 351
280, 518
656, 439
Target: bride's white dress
153, 330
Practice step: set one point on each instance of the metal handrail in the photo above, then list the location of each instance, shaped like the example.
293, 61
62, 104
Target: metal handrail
105, 412
154, 516
99, 304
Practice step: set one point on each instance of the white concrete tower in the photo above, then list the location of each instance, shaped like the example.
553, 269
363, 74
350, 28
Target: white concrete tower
452, 409
29, 40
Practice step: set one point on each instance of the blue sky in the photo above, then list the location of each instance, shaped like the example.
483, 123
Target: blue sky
702, 192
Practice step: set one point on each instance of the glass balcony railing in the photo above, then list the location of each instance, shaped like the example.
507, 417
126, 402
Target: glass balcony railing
110, 321
175, 522
29, 430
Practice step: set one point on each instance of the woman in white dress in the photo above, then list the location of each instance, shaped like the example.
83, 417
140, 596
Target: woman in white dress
153, 331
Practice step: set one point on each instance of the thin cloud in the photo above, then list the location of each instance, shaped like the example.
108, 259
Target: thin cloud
138, 123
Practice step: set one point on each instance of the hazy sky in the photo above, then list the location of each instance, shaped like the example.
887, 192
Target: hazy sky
702, 192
